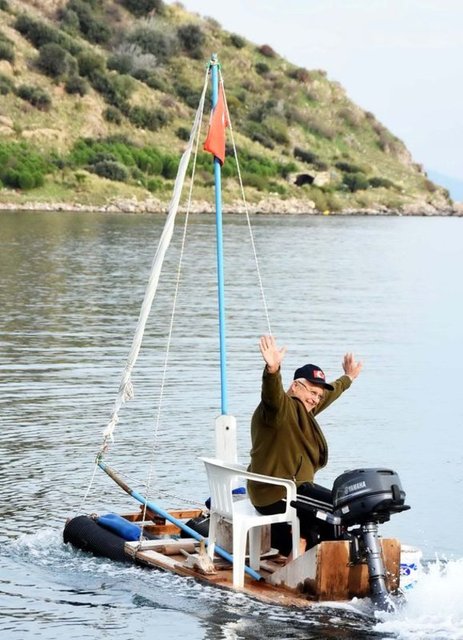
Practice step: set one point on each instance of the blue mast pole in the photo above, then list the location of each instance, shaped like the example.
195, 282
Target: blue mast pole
219, 239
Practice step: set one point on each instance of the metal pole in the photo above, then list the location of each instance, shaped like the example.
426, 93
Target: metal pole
219, 240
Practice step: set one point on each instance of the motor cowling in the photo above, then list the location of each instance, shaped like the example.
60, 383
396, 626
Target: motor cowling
367, 495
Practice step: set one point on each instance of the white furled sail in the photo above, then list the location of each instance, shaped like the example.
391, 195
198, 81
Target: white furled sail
125, 387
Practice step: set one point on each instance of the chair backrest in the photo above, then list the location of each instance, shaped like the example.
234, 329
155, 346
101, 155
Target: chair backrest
222, 481
223, 478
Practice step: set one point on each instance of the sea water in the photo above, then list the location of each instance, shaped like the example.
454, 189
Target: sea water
388, 289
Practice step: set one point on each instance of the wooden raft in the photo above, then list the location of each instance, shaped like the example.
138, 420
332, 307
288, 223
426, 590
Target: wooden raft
321, 574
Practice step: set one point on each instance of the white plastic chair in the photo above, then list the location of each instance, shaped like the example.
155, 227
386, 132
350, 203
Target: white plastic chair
241, 513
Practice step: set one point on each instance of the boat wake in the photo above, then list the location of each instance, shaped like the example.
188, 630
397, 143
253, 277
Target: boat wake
432, 610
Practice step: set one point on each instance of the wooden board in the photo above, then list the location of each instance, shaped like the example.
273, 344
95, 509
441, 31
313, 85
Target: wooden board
337, 579
223, 578
157, 525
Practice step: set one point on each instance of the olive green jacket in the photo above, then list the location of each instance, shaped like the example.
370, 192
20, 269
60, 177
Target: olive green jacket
287, 441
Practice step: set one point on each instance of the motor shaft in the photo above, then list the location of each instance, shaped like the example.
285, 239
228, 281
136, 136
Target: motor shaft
376, 569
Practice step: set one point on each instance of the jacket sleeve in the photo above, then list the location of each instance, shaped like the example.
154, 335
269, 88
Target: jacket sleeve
273, 395
340, 385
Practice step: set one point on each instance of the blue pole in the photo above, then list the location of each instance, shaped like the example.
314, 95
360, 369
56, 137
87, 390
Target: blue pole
165, 514
219, 240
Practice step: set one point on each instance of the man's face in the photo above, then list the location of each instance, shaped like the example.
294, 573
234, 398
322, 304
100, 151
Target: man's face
309, 394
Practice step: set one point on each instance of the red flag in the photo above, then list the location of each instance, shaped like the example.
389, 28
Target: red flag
215, 140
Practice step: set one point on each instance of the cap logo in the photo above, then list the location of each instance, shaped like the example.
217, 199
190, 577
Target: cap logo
318, 374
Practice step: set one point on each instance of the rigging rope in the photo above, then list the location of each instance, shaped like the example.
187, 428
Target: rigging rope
246, 209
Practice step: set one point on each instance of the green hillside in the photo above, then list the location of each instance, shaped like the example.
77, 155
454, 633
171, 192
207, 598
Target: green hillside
98, 97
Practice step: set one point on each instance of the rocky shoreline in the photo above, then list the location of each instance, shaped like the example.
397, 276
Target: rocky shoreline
265, 206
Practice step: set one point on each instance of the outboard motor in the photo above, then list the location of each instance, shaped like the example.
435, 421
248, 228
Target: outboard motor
368, 497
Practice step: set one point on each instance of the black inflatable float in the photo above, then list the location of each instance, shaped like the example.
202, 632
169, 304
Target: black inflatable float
85, 533
106, 536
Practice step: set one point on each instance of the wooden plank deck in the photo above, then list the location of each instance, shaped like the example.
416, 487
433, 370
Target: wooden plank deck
324, 573
321, 574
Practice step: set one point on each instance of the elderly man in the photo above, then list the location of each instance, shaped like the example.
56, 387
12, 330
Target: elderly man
287, 441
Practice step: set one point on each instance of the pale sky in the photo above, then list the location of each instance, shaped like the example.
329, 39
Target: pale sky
400, 59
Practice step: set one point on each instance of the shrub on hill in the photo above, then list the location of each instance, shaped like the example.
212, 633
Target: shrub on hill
6, 48
69, 21
300, 74
285, 168
378, 181
257, 133
234, 104
320, 165
267, 51
90, 62
4, 6
111, 170
88, 152
251, 164
55, 61
183, 133
237, 41
109, 89
429, 186
36, 96
39, 33
149, 161
352, 117
306, 156
91, 24
294, 115
141, 8
187, 93
6, 85
388, 143
261, 68
262, 110
319, 127
192, 39
152, 80
277, 129
347, 167
158, 39
111, 114
21, 167
276, 187
23, 179
142, 163
169, 167
151, 119
154, 184
324, 200
120, 62
76, 85
355, 181
254, 180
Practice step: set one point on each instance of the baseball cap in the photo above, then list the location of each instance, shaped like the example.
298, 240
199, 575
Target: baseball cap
313, 374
